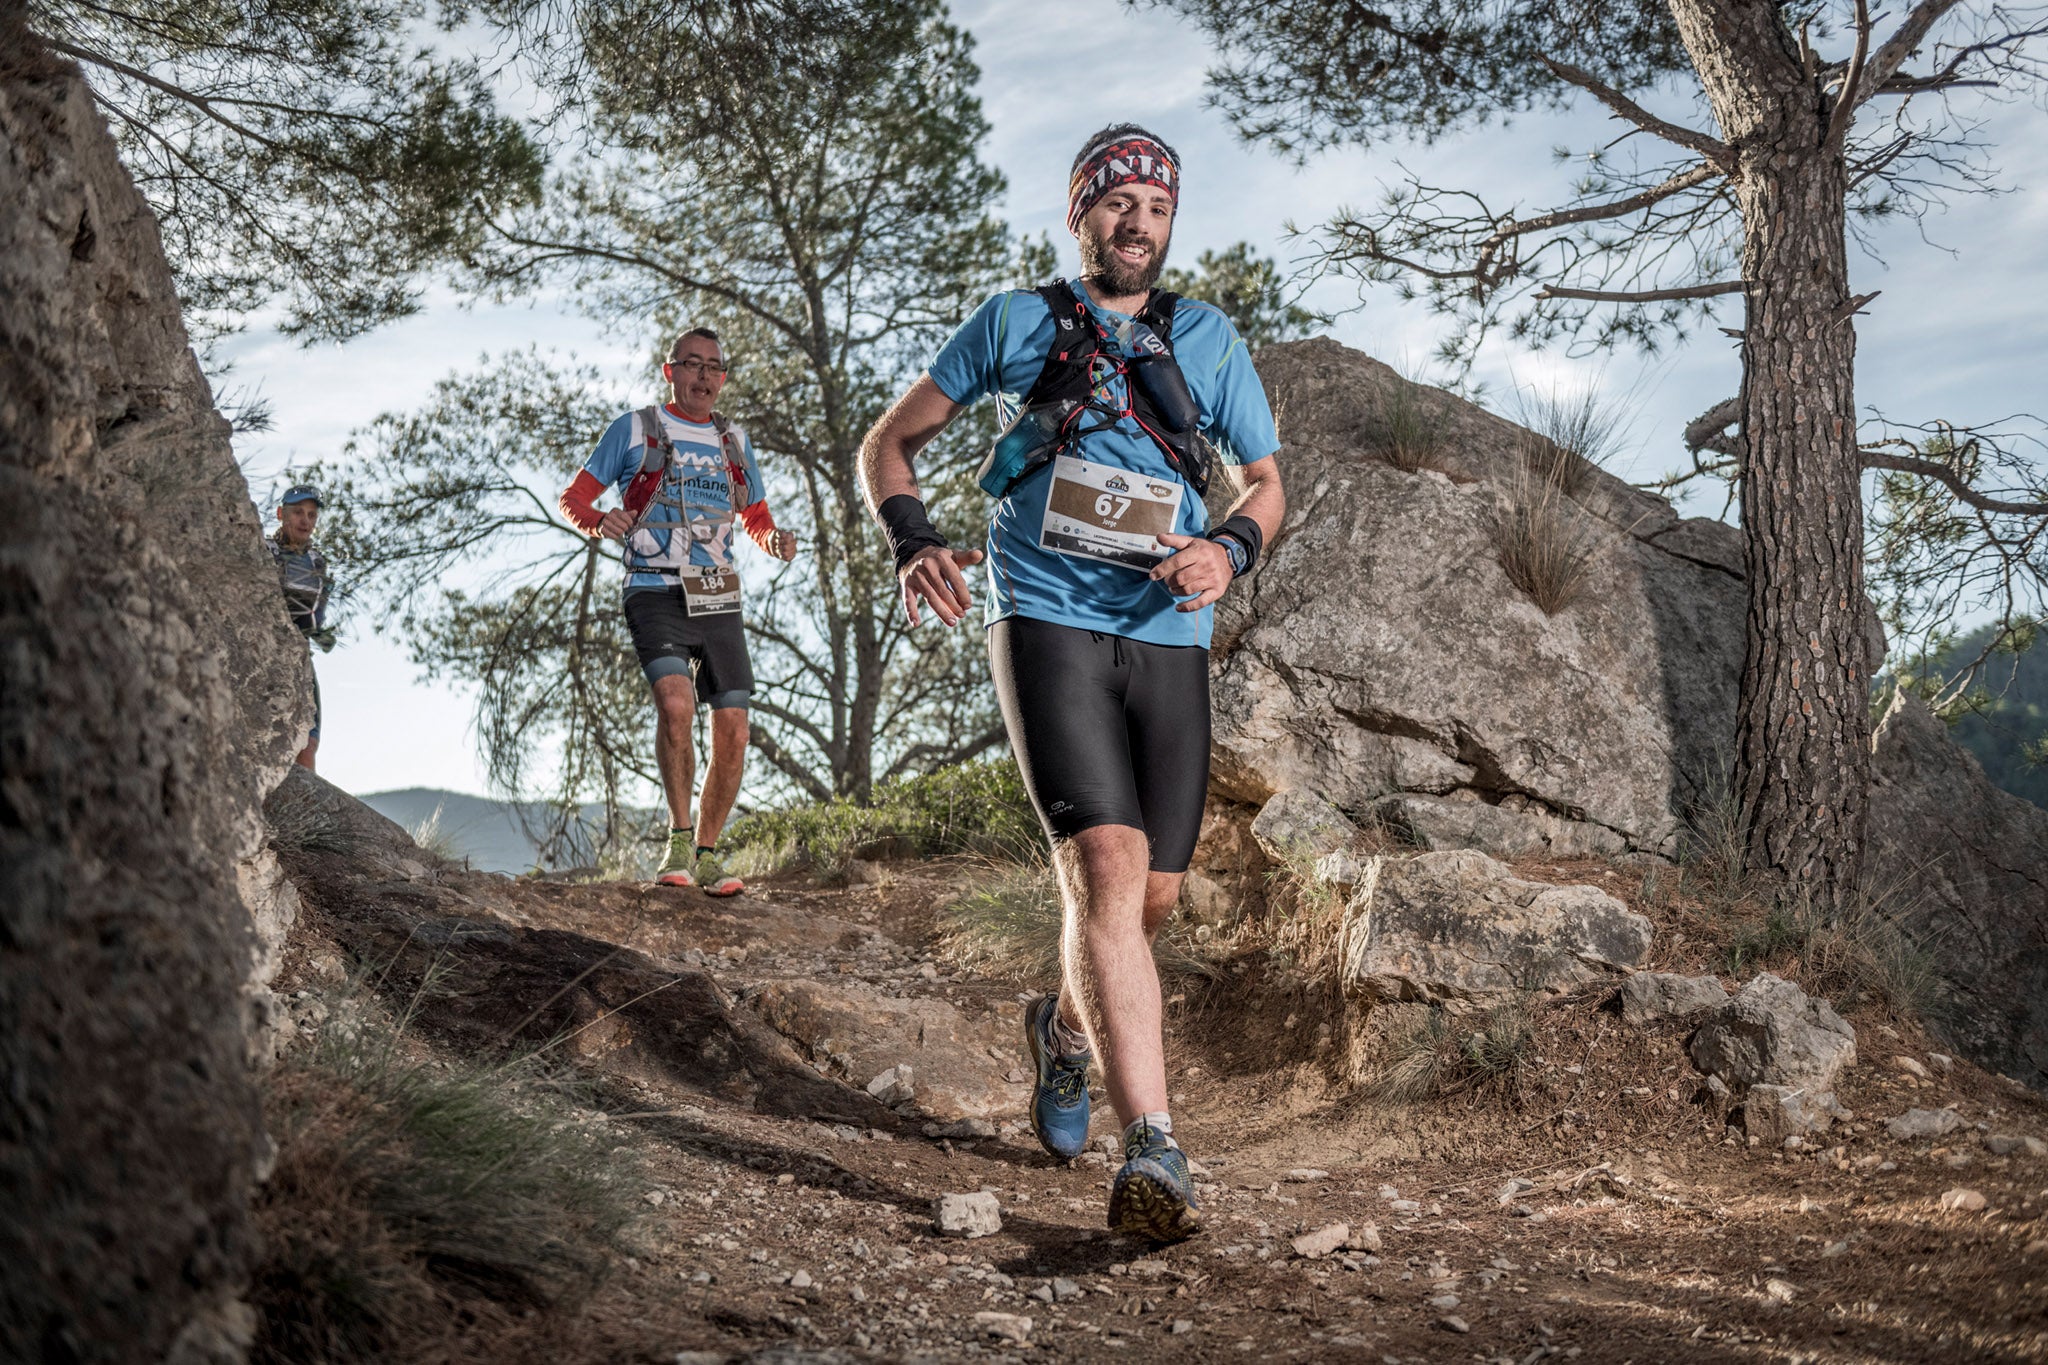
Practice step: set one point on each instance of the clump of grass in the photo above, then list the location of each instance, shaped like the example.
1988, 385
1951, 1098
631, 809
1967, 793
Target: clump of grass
965, 808
435, 839
1545, 544
1406, 429
1008, 924
412, 1202
1568, 436
1861, 955
1441, 1054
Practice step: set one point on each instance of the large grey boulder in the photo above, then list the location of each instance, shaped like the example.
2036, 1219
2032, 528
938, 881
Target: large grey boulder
1771, 1033
1381, 652
1459, 928
1970, 866
151, 691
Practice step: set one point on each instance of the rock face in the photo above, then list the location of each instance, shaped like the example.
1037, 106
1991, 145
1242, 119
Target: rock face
1971, 863
866, 1034
1381, 652
1772, 1034
149, 697
1460, 928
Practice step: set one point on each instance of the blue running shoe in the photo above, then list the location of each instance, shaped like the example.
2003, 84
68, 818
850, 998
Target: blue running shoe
1154, 1195
1059, 1102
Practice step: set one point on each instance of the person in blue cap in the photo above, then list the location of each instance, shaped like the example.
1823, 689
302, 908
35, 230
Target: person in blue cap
303, 577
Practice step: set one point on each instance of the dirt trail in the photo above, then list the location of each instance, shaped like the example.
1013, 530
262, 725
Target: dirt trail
790, 1214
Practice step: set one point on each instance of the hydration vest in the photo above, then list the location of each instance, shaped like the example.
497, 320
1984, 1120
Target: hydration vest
648, 495
1052, 416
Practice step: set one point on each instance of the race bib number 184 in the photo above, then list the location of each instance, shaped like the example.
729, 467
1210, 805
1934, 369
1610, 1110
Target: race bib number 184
710, 592
1104, 512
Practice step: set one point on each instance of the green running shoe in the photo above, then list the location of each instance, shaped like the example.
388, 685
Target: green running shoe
716, 881
675, 868
1154, 1193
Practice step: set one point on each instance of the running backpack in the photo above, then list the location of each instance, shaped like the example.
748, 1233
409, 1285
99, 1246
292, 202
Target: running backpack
658, 455
1050, 418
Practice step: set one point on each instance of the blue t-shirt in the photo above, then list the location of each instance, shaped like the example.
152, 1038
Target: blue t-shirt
999, 351
696, 495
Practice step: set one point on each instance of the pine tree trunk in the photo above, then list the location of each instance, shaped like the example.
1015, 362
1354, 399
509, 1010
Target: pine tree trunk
1802, 750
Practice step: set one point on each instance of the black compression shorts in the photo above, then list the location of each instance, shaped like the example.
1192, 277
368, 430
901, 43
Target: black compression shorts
1108, 731
670, 641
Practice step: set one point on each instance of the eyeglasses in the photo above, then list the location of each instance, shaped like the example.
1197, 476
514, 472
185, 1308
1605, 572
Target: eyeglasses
696, 366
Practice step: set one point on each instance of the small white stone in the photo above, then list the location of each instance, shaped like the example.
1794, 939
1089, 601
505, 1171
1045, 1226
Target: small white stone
1960, 1200
1004, 1326
1323, 1241
967, 1215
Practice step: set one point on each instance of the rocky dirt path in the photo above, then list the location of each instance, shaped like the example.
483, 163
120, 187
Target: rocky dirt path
1599, 1215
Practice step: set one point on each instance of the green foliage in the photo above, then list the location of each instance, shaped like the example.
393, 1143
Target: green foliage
1250, 291
804, 179
963, 808
2001, 716
301, 153
410, 1194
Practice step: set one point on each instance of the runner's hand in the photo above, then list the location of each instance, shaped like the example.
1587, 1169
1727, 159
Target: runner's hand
617, 524
1199, 570
785, 545
934, 575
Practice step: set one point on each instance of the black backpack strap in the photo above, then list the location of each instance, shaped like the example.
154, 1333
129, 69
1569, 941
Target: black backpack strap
1158, 314
1065, 372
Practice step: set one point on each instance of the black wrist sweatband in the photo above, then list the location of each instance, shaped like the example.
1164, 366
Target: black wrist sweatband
909, 529
1245, 532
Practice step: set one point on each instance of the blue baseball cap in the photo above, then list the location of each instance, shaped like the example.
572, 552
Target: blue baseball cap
301, 492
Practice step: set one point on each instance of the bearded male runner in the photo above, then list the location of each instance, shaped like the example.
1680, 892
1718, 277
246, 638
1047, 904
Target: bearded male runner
682, 592
1103, 571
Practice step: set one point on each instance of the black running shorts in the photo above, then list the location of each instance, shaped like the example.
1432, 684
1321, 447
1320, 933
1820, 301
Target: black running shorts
670, 641
1108, 731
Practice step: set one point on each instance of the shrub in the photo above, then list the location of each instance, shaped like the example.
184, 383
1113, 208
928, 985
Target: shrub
966, 808
409, 1197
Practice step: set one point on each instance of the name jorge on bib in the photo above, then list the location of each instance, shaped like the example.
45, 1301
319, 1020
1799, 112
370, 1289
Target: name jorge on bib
1106, 512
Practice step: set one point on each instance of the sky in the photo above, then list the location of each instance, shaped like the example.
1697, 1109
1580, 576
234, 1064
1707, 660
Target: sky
1957, 331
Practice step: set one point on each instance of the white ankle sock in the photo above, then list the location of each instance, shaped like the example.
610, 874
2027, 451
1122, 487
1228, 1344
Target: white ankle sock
1160, 1123
1071, 1042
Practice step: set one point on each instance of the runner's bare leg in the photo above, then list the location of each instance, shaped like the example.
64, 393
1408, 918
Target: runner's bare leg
1115, 906
722, 773
675, 708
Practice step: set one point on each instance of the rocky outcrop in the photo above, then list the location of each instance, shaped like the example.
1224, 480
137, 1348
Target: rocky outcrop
1459, 928
1965, 866
1771, 1033
1381, 651
149, 695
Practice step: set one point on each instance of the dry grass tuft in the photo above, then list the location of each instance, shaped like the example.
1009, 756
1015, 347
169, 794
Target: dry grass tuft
1008, 925
1547, 546
1440, 1054
1406, 429
413, 1203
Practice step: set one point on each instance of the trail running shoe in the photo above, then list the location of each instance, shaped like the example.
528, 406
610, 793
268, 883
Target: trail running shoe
1059, 1102
675, 867
716, 881
1154, 1195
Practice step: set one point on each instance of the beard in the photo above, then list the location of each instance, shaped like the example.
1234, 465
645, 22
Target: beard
1119, 277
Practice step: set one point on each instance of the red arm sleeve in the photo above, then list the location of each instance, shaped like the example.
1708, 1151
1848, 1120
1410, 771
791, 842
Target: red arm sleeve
759, 523
579, 503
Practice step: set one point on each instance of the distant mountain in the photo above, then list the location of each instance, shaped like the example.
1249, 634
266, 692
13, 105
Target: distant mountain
491, 834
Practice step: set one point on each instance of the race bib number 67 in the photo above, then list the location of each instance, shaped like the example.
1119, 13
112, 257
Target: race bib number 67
1109, 513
